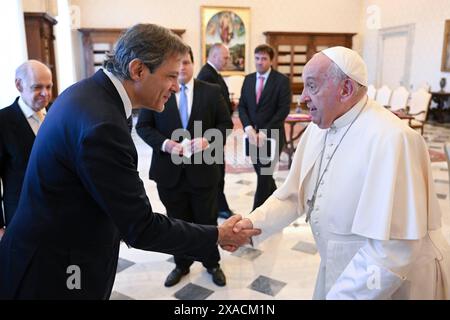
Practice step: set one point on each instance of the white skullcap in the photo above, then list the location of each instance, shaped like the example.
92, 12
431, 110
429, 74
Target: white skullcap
350, 62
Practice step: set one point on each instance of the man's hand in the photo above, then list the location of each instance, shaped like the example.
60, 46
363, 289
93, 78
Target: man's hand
199, 144
261, 139
252, 136
173, 147
2, 232
229, 239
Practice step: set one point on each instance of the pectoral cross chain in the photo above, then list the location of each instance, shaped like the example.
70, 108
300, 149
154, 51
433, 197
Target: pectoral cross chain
310, 204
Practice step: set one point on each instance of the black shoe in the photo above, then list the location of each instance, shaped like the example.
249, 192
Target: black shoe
175, 276
218, 276
225, 214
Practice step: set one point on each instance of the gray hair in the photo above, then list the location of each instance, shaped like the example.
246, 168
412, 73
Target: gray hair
150, 43
24, 70
214, 48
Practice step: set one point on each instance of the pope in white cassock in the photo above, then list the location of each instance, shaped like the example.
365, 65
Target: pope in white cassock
363, 179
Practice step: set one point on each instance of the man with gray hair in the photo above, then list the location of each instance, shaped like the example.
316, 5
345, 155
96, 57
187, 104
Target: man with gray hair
363, 179
19, 124
82, 193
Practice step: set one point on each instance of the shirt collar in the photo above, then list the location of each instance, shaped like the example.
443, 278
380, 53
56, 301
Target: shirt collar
27, 111
189, 85
208, 62
265, 74
348, 117
122, 92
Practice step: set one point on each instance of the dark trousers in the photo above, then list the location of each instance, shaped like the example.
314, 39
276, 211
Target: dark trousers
222, 203
265, 184
191, 204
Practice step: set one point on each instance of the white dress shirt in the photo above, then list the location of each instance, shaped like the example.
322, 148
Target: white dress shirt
34, 120
122, 92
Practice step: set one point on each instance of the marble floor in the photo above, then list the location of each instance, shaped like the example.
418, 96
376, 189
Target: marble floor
283, 268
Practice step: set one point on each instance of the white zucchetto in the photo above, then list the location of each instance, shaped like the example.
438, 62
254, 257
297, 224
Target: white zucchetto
350, 62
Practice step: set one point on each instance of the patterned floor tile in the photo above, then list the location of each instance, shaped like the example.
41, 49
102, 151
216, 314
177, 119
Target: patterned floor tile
193, 292
267, 285
244, 182
247, 253
123, 264
306, 247
119, 296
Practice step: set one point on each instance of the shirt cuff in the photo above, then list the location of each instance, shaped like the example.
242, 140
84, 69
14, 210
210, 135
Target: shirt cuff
163, 147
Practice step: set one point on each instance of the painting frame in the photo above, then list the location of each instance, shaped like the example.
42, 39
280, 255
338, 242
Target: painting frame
230, 26
445, 66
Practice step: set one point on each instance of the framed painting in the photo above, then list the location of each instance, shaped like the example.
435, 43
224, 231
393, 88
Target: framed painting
446, 48
230, 26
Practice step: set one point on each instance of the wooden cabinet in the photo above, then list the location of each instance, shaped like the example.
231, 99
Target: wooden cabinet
97, 42
40, 42
294, 49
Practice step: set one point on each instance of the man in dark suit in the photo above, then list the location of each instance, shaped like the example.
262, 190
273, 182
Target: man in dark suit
218, 57
188, 190
82, 193
19, 124
263, 106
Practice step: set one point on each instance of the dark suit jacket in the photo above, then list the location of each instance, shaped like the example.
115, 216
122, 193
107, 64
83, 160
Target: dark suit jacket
209, 74
208, 106
16, 140
81, 195
273, 106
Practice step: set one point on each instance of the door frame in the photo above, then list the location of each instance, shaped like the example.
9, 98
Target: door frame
404, 30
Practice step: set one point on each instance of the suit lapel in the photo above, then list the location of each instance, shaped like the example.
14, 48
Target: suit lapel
173, 111
22, 123
195, 105
252, 92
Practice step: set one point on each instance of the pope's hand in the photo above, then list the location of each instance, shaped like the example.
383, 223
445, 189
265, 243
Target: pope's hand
229, 239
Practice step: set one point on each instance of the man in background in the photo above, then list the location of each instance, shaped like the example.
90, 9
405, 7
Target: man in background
218, 57
187, 190
263, 106
19, 124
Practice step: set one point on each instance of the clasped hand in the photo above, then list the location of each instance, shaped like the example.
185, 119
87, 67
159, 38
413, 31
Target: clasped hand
236, 232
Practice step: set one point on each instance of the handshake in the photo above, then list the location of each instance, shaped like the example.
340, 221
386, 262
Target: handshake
235, 232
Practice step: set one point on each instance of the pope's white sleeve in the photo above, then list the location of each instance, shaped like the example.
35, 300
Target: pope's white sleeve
273, 216
376, 271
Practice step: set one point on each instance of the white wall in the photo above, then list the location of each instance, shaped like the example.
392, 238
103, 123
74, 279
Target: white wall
12, 33
428, 18
266, 15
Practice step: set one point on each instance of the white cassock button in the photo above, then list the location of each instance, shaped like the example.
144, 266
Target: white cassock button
320, 195
317, 233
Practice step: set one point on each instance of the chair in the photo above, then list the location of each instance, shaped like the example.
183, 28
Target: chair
383, 95
399, 99
371, 92
418, 107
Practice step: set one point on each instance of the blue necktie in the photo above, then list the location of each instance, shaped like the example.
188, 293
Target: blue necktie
183, 107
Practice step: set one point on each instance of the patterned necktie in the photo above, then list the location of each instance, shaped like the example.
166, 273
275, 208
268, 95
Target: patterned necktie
183, 106
260, 88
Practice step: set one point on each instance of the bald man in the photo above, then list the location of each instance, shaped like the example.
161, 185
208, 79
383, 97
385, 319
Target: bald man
218, 57
19, 124
363, 179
